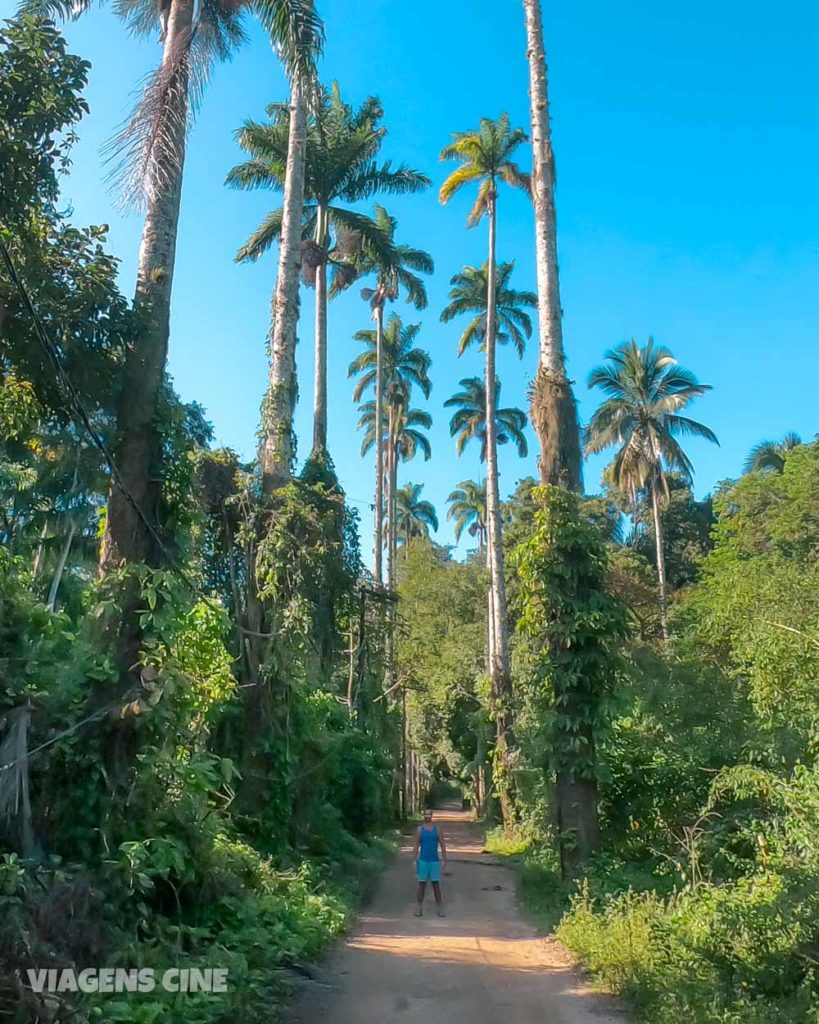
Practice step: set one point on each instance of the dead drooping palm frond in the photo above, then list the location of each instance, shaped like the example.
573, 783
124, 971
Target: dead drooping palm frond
148, 151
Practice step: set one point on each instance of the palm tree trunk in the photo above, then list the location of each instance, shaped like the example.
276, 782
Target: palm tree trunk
51, 603
658, 538
378, 547
500, 675
554, 412
490, 620
39, 556
129, 535
278, 448
320, 387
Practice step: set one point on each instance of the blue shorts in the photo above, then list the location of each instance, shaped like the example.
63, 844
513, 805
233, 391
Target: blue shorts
429, 871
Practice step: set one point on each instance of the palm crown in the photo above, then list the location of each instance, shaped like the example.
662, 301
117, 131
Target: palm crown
485, 156
469, 295
469, 419
396, 266
401, 359
769, 456
467, 506
414, 517
340, 168
647, 388
408, 431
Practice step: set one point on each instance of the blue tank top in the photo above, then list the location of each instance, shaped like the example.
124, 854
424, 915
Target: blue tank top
429, 843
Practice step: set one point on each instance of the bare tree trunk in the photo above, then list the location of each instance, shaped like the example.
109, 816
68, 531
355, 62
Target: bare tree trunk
500, 670
39, 556
554, 412
51, 603
490, 620
378, 547
278, 446
320, 392
320, 386
137, 450
660, 547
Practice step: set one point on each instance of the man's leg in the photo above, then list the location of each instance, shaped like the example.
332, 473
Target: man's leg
422, 888
436, 889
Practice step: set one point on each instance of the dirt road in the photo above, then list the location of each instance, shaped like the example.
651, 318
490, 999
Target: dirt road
481, 964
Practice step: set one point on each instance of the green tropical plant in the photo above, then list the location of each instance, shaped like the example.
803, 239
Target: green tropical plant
414, 517
467, 506
769, 456
340, 171
646, 389
468, 422
468, 295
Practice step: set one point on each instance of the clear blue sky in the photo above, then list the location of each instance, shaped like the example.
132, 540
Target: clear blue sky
687, 143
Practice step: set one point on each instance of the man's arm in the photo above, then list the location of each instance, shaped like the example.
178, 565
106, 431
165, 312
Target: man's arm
417, 844
442, 841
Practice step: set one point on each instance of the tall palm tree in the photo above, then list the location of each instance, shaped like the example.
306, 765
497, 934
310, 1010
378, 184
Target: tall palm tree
485, 158
467, 506
468, 295
404, 438
390, 358
395, 269
646, 389
340, 169
769, 456
469, 419
151, 154
414, 517
553, 407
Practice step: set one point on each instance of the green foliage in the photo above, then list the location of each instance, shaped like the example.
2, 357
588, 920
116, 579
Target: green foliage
575, 627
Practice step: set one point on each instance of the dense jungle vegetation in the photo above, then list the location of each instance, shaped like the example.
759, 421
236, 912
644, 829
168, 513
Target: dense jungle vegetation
215, 711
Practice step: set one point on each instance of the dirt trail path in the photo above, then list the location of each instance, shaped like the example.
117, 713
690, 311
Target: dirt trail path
481, 964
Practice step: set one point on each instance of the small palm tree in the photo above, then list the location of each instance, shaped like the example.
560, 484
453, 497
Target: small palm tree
414, 517
340, 170
467, 506
469, 419
769, 456
468, 295
486, 159
646, 389
395, 270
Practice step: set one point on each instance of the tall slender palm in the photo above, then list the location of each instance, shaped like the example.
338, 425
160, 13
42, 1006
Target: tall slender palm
395, 269
390, 356
151, 154
468, 295
553, 407
769, 456
467, 506
646, 389
404, 438
414, 516
485, 158
469, 419
340, 169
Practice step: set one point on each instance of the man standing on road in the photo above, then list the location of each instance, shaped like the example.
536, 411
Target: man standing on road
427, 863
